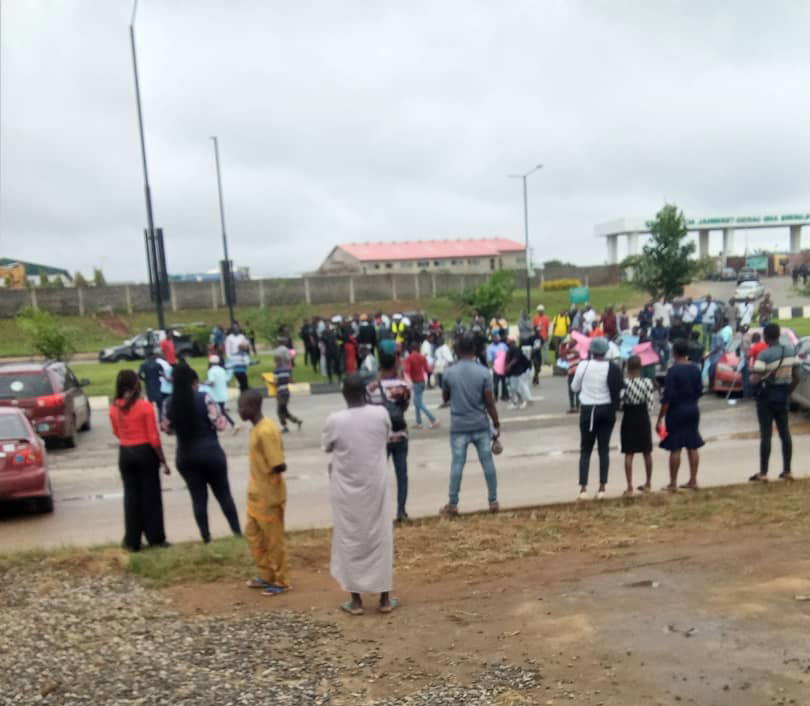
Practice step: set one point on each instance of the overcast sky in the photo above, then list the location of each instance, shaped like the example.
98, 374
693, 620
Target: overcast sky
358, 121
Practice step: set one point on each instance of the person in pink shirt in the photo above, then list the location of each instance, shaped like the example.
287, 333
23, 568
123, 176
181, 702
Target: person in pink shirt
417, 369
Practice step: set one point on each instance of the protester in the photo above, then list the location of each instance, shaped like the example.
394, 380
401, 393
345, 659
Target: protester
195, 418
362, 535
662, 309
217, 381
776, 375
331, 352
695, 349
417, 369
394, 394
688, 315
140, 458
766, 310
266, 498
730, 314
707, 312
444, 359
745, 312
150, 374
610, 324
234, 341
559, 329
588, 319
496, 357
283, 376
659, 335
238, 364
468, 388
681, 415
569, 353
599, 384
636, 436
518, 370
645, 317
167, 347
624, 321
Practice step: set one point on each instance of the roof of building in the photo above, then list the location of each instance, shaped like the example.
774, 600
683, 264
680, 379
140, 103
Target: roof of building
32, 268
432, 249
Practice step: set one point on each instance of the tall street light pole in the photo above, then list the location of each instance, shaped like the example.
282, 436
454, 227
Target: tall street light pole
526, 231
227, 273
150, 221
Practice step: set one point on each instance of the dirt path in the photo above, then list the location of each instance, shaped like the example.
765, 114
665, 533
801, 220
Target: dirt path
696, 617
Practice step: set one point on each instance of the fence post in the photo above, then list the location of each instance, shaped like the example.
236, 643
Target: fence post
34, 298
261, 294
214, 298
173, 297
307, 293
80, 297
416, 286
393, 288
127, 297
433, 284
351, 289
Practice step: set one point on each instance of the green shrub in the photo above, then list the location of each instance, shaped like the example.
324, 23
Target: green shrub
46, 335
491, 298
268, 322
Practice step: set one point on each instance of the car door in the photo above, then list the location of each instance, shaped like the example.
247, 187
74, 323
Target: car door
78, 400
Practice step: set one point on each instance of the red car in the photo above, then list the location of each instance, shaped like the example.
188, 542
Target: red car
23, 463
51, 397
729, 376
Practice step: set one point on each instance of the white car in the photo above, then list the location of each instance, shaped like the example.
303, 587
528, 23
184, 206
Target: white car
749, 290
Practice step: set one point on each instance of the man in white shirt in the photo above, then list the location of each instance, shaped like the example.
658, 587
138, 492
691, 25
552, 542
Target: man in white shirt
588, 320
234, 340
688, 313
707, 312
663, 310
745, 312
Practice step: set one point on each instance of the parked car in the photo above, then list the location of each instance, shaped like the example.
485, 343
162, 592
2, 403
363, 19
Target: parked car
727, 374
138, 347
747, 274
801, 395
728, 274
23, 461
50, 396
749, 290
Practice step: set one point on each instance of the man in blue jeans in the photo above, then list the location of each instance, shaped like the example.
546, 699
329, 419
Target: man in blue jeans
467, 386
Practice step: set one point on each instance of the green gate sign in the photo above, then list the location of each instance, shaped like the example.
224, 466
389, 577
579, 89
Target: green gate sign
579, 295
757, 262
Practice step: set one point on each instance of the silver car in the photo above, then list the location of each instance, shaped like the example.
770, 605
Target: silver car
749, 290
801, 395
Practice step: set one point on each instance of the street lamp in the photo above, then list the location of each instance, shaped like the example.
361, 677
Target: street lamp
153, 256
227, 274
526, 230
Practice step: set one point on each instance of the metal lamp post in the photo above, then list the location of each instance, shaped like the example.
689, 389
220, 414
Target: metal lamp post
526, 230
152, 251
227, 273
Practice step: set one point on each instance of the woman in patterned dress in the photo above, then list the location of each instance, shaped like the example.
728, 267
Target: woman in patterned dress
637, 403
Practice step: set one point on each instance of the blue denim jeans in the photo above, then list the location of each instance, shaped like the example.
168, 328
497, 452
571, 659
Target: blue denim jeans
482, 440
419, 403
398, 450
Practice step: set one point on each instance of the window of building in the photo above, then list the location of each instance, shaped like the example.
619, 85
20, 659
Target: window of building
492, 263
423, 263
437, 263
471, 261
456, 262
389, 266
376, 265
406, 264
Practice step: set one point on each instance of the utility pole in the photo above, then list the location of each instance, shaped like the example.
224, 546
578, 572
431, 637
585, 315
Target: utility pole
524, 177
227, 271
152, 250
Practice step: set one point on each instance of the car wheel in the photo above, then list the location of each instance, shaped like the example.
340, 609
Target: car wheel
69, 442
45, 505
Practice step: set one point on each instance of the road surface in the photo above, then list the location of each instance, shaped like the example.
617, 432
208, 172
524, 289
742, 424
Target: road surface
538, 465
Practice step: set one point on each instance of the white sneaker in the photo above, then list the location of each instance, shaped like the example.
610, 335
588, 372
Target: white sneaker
583, 495
600, 495
524, 404
512, 405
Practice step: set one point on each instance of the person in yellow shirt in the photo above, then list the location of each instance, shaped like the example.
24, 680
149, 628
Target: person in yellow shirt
559, 329
266, 498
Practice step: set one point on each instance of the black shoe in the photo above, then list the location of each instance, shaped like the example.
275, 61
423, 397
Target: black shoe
758, 478
161, 545
786, 475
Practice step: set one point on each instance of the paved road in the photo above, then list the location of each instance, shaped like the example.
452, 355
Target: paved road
781, 289
539, 465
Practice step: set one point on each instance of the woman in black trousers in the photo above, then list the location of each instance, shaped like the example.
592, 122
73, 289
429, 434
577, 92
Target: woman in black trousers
140, 458
195, 418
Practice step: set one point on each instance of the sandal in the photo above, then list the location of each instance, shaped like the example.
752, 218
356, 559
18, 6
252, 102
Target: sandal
644, 489
628, 493
275, 590
758, 478
392, 604
670, 488
257, 582
349, 608
786, 475
688, 486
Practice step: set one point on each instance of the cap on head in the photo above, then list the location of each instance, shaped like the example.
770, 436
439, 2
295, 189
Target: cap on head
213, 359
396, 317
540, 307
599, 346
337, 319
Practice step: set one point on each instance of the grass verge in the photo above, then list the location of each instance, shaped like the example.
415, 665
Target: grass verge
477, 544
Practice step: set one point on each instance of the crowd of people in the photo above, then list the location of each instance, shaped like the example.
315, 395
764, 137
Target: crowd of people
385, 365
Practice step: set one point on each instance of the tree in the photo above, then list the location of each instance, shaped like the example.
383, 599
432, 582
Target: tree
98, 277
491, 298
664, 267
47, 336
79, 280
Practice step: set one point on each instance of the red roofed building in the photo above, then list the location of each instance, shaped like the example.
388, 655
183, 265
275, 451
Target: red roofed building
457, 256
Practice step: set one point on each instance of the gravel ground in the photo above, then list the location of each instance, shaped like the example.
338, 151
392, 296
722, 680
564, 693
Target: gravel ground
74, 638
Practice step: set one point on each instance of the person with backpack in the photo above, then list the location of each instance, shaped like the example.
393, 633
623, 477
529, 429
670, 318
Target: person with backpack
775, 376
392, 392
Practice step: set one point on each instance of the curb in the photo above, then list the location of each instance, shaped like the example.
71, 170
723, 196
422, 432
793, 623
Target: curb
785, 313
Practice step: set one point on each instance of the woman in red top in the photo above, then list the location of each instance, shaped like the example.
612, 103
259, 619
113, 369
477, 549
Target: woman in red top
417, 369
140, 458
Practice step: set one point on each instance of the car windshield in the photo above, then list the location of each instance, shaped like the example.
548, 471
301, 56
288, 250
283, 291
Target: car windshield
12, 427
14, 386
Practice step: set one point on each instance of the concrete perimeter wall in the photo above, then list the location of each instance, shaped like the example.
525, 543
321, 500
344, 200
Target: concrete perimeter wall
335, 289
